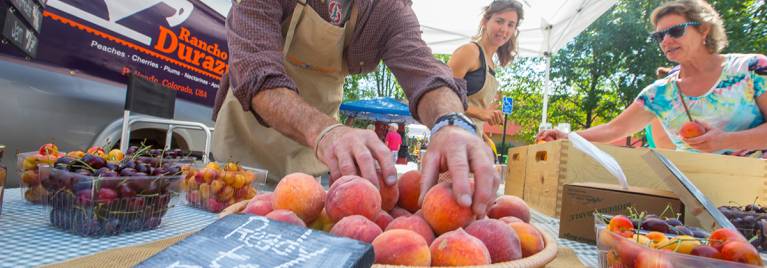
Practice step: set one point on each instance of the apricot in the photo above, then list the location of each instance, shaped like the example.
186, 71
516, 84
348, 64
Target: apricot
458, 248
509, 205
409, 185
691, 129
401, 247
442, 211
352, 195
300, 193
414, 223
356, 227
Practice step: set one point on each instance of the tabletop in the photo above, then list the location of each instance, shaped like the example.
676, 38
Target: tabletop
27, 239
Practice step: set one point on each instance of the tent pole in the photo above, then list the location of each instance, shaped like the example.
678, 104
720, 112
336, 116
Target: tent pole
546, 88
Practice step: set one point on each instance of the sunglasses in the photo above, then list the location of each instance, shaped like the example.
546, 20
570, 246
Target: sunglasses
675, 31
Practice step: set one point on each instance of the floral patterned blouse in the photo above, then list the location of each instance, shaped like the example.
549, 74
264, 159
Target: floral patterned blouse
730, 105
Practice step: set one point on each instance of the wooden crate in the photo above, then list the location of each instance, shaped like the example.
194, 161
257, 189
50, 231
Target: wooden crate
723, 179
514, 181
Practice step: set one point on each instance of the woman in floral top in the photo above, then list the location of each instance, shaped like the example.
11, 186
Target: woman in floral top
723, 93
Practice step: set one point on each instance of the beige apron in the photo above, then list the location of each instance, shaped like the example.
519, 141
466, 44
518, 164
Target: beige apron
313, 51
485, 97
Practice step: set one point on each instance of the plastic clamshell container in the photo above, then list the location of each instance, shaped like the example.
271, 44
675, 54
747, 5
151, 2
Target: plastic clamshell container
213, 190
29, 177
105, 206
618, 251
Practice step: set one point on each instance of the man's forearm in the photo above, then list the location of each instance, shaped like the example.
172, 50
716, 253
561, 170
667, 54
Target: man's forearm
436, 103
289, 114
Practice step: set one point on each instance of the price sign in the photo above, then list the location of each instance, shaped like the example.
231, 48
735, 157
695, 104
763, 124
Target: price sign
255, 241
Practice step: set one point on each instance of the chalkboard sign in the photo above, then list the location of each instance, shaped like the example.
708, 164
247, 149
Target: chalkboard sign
255, 241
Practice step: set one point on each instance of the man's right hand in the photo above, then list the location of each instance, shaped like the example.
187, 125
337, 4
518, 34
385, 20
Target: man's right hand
351, 151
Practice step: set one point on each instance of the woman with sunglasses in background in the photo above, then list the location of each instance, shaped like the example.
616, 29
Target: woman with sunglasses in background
474, 63
715, 102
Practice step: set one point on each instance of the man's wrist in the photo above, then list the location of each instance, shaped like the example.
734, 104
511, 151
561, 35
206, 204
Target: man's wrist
454, 119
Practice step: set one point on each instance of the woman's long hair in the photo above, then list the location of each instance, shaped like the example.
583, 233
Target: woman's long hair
507, 51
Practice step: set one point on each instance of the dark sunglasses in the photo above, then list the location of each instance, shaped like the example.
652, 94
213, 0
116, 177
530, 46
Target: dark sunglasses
675, 31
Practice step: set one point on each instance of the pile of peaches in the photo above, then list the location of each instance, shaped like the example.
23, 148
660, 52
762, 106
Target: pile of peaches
627, 246
436, 232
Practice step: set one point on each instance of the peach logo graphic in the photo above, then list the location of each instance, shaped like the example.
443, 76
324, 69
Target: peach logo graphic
120, 9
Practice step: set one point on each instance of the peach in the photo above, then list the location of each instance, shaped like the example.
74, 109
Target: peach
509, 205
458, 248
691, 129
629, 251
651, 259
501, 241
409, 185
259, 206
397, 212
352, 195
383, 219
414, 223
529, 238
322, 223
442, 211
300, 193
389, 194
510, 219
722, 236
401, 247
286, 216
741, 251
356, 227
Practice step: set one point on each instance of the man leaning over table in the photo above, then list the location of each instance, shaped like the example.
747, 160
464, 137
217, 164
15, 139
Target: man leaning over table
288, 60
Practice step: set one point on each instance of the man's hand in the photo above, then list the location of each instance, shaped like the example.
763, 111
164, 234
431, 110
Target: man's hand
550, 135
459, 152
351, 151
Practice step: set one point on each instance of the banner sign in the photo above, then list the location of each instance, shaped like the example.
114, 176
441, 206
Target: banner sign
180, 44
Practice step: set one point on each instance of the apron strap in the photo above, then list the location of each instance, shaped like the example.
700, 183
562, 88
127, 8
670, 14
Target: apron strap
292, 28
351, 25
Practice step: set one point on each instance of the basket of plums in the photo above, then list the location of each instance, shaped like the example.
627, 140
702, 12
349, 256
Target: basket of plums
93, 194
654, 241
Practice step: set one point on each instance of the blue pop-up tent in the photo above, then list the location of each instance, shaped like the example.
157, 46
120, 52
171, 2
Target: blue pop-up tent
378, 109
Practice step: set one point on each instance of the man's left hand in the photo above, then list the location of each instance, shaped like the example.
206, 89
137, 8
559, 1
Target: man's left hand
459, 152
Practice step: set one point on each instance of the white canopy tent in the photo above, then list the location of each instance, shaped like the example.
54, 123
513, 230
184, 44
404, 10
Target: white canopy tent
547, 27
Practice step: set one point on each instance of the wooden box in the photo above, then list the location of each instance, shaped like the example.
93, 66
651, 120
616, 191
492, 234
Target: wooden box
549, 166
514, 181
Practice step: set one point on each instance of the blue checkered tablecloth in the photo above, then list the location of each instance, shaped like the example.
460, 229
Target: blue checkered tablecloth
27, 239
587, 254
